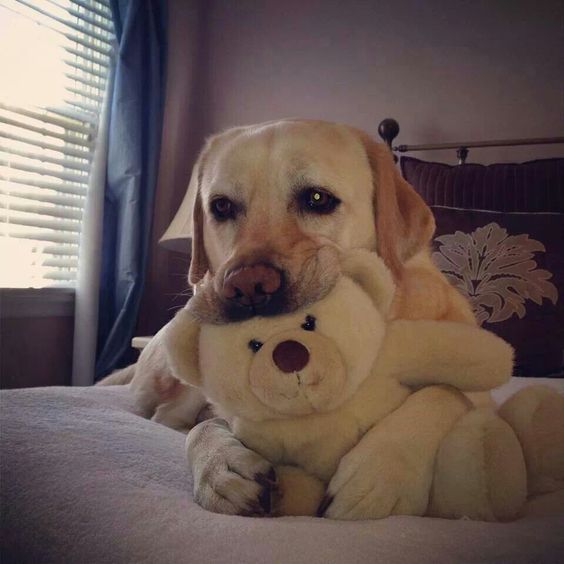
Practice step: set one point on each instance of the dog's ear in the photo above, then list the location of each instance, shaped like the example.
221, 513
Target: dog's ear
199, 263
404, 223
180, 339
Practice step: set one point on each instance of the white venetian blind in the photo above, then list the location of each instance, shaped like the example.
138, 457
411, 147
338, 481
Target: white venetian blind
54, 60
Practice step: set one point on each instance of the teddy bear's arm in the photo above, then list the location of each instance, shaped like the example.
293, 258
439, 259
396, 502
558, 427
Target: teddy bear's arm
426, 352
180, 340
390, 470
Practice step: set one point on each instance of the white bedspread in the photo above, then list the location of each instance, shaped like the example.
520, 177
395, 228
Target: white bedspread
85, 480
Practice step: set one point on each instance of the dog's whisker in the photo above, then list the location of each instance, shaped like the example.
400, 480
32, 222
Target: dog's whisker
183, 293
177, 294
175, 308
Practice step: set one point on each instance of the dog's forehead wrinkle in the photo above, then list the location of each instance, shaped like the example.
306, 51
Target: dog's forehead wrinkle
288, 153
233, 192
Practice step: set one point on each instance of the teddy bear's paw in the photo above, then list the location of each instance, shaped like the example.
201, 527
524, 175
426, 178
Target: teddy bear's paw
228, 477
374, 485
479, 471
298, 493
536, 414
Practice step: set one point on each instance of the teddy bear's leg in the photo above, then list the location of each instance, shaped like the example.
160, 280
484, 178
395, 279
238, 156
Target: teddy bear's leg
297, 492
480, 470
536, 414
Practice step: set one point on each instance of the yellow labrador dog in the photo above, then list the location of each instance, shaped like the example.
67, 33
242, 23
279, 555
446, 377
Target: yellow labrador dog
273, 205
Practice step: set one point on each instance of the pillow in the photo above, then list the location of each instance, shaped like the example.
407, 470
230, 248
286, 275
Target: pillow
534, 186
511, 268
500, 241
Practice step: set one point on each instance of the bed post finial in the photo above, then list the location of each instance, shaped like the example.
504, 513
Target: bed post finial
388, 131
462, 154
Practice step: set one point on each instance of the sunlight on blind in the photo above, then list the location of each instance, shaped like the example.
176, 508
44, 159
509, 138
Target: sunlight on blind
54, 59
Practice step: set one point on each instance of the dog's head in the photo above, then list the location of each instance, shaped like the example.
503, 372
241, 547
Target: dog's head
273, 203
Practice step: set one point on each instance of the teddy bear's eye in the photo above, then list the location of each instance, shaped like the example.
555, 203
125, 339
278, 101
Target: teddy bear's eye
255, 345
309, 324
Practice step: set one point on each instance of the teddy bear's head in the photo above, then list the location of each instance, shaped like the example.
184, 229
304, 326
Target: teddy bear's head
309, 361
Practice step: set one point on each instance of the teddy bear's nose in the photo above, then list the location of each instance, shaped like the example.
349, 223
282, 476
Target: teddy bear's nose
290, 356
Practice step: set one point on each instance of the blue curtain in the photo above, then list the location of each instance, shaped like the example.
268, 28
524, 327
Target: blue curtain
133, 152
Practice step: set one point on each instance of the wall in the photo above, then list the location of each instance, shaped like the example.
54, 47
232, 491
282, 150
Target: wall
447, 70
36, 335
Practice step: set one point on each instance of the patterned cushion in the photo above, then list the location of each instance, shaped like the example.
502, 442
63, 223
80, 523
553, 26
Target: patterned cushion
500, 241
511, 268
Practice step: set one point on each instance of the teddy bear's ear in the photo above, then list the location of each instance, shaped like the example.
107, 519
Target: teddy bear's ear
368, 270
181, 338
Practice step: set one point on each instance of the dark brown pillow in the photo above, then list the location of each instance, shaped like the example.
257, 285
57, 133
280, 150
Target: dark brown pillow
534, 186
500, 241
511, 268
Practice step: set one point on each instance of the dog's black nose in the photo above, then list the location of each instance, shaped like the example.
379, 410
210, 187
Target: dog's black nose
290, 356
252, 286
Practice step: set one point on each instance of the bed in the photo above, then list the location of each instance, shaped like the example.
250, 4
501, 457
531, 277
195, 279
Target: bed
85, 479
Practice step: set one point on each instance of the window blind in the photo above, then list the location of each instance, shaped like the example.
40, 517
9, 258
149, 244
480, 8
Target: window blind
54, 60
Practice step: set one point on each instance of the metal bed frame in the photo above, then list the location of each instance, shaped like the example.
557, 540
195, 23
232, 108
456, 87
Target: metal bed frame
389, 129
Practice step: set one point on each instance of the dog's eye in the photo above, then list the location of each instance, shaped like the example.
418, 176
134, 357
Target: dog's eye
223, 209
309, 324
255, 345
317, 200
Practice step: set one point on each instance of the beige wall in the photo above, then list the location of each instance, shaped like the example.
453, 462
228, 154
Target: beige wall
447, 70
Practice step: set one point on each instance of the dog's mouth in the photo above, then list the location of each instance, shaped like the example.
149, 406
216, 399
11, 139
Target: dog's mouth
268, 305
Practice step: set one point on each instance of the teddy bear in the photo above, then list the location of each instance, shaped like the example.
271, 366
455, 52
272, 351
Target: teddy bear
328, 394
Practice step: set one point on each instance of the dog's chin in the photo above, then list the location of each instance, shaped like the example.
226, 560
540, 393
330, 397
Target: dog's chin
208, 307
272, 305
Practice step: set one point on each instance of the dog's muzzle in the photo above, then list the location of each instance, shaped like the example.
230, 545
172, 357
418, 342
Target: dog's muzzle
256, 289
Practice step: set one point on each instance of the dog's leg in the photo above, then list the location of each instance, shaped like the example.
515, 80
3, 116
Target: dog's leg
228, 477
119, 377
390, 471
182, 411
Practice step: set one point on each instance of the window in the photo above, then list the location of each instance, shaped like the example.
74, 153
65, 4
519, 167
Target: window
54, 61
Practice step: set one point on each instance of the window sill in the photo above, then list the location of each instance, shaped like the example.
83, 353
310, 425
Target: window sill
36, 302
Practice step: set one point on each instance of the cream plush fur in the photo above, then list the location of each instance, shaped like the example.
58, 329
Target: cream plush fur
313, 423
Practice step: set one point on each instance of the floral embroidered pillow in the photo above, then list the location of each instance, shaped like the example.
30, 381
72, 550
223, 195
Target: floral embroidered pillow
511, 268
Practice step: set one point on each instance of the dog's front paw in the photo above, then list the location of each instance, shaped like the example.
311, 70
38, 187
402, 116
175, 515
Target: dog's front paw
374, 481
228, 477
